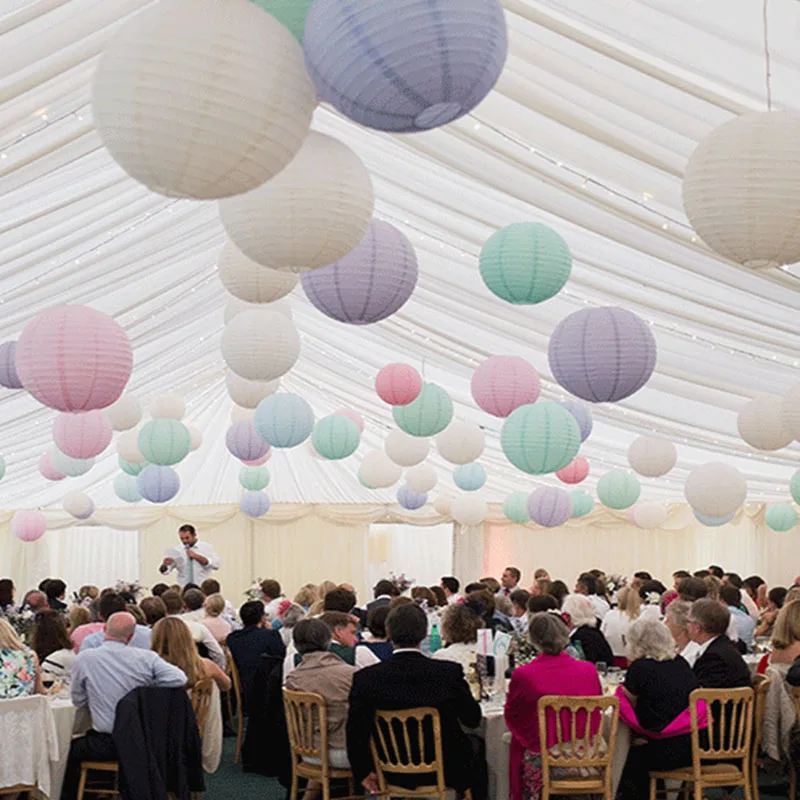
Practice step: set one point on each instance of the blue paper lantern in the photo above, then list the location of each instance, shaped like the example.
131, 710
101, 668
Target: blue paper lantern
405, 65
469, 477
158, 484
714, 522
582, 414
254, 504
411, 500
284, 420
126, 488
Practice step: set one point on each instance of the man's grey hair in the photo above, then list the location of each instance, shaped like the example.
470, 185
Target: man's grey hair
711, 616
311, 636
649, 638
580, 610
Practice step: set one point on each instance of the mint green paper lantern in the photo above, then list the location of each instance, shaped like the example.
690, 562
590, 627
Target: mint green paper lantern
794, 487
291, 13
126, 488
781, 517
2, 468
428, 415
618, 489
515, 508
254, 479
582, 503
130, 469
164, 441
336, 437
525, 263
540, 438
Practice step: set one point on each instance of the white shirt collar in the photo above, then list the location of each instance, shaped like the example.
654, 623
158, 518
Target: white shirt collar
701, 648
407, 650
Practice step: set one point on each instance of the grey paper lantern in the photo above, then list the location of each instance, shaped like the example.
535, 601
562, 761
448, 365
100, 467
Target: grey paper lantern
8, 366
254, 504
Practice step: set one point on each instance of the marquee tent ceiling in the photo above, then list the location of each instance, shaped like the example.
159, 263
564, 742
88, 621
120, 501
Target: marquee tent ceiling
588, 130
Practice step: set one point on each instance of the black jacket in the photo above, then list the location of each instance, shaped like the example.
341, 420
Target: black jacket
158, 743
247, 646
411, 680
595, 645
722, 666
793, 675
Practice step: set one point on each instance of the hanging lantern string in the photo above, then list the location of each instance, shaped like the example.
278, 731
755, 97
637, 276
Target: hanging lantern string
767, 71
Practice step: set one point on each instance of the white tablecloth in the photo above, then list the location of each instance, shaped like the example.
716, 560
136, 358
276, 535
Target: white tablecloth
69, 721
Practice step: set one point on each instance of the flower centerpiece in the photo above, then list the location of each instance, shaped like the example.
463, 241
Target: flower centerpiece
254, 592
129, 589
401, 582
21, 620
613, 584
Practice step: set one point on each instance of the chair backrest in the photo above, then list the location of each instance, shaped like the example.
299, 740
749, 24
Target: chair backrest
201, 702
730, 723
307, 723
409, 742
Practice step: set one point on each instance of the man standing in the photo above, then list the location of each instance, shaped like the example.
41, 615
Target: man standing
194, 562
510, 581
450, 586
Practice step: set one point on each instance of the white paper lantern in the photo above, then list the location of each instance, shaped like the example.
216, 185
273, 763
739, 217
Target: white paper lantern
469, 509
312, 214
79, 505
652, 457
378, 471
406, 450
235, 306
71, 467
260, 345
460, 442
249, 394
125, 414
715, 490
761, 423
650, 515
741, 189
421, 478
443, 504
238, 414
167, 406
790, 411
202, 98
128, 448
195, 437
252, 282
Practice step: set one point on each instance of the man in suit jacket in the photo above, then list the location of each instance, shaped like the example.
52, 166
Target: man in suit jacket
719, 664
385, 591
411, 680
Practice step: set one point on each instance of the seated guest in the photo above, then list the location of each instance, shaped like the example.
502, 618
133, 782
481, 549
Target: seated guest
616, 623
750, 587
588, 586
494, 585
553, 672
541, 574
211, 586
504, 606
153, 609
519, 610
691, 589
201, 635
306, 596
719, 664
173, 642
112, 603
651, 594
426, 599
290, 615
786, 635
745, 624
77, 616
460, 625
19, 667
775, 600
272, 596
492, 618
441, 597
379, 640
677, 622
543, 586
214, 606
384, 592
56, 591
88, 594
450, 587
344, 638
159, 589
658, 684
410, 680
748, 604
579, 614
559, 590
52, 645
7, 596
193, 601
35, 601
341, 600
101, 677
672, 594
544, 602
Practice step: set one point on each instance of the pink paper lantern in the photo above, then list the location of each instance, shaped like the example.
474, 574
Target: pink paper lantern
73, 358
82, 435
257, 462
504, 383
350, 414
398, 384
575, 472
28, 526
46, 468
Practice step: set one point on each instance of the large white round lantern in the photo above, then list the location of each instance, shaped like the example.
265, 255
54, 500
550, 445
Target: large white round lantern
421, 478
741, 189
652, 457
252, 282
406, 450
312, 214
715, 490
79, 505
460, 442
761, 423
378, 471
260, 345
468, 509
248, 394
202, 98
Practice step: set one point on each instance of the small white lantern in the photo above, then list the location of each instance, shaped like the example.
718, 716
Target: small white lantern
650, 515
406, 450
715, 489
460, 442
761, 423
469, 509
79, 505
443, 504
168, 405
249, 394
260, 345
652, 457
421, 479
235, 306
252, 282
378, 471
128, 448
125, 414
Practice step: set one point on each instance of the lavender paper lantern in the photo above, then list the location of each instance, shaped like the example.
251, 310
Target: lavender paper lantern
158, 484
582, 414
243, 441
8, 366
370, 283
28, 526
411, 500
254, 504
602, 354
405, 65
550, 507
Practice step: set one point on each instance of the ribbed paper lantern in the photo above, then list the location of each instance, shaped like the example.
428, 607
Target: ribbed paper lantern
781, 517
714, 522
469, 509
353, 416
47, 471
370, 283
71, 467
130, 469
126, 488
8, 366
168, 405
398, 384
525, 263
28, 526
650, 515
504, 383
201, 98
408, 65
582, 414
602, 354
378, 471
336, 437
761, 423
2, 468
515, 508
652, 457
794, 487
443, 505
575, 472
428, 415
549, 506
582, 503
405, 450
73, 358
79, 505
291, 13
260, 345
469, 477
125, 414
540, 438
254, 479
460, 442
741, 189
252, 282
195, 438
790, 410
715, 490
164, 441
82, 435
284, 420
254, 504
235, 306
421, 478
158, 484
248, 394
243, 441
411, 500
618, 489
312, 214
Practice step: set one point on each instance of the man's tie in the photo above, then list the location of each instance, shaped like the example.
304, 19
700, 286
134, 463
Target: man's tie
191, 568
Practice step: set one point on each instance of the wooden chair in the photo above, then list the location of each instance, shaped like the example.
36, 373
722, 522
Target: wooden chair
307, 723
576, 747
729, 732
201, 702
792, 771
20, 788
761, 686
109, 768
398, 746
237, 691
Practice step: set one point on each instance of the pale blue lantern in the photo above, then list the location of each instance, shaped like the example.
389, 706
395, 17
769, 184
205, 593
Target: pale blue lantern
714, 522
254, 504
284, 420
158, 484
469, 477
411, 500
126, 488
405, 65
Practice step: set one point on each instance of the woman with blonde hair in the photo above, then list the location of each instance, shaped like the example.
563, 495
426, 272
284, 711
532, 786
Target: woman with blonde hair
616, 623
77, 616
214, 605
306, 596
19, 667
786, 635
